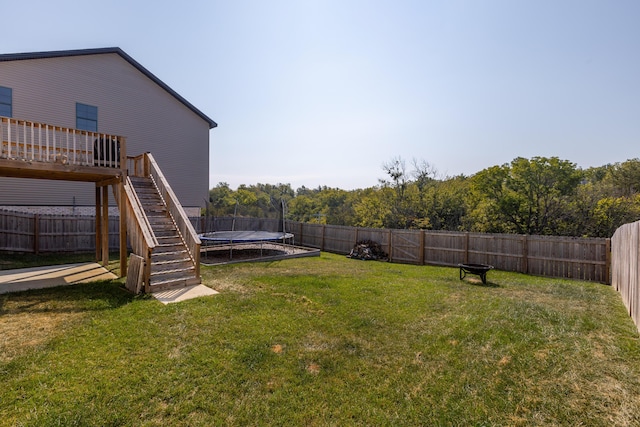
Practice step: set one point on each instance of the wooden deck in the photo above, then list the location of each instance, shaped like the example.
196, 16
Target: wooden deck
43, 151
20, 168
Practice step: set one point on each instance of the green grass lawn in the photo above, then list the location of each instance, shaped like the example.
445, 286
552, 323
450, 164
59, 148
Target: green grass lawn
323, 341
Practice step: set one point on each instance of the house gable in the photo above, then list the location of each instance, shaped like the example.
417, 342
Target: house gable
130, 101
108, 50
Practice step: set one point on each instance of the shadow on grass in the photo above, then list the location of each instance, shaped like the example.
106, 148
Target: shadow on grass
82, 297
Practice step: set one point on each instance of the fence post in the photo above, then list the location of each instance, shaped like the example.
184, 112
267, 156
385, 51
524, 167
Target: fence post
390, 245
36, 234
466, 247
322, 239
97, 223
300, 238
525, 254
421, 249
607, 265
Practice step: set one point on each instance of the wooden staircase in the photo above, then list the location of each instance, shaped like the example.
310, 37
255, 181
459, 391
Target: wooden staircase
172, 265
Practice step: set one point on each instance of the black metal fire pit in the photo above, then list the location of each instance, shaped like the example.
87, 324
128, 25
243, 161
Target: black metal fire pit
477, 269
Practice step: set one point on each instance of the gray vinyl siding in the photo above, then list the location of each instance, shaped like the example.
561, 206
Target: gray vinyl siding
129, 104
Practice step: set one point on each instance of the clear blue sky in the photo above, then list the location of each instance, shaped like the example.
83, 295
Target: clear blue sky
324, 92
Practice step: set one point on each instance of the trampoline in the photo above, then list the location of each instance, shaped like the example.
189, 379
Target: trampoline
245, 245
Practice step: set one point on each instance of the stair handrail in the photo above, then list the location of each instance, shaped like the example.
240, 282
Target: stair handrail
189, 235
141, 236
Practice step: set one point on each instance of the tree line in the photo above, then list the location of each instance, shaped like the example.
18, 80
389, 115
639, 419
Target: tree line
540, 195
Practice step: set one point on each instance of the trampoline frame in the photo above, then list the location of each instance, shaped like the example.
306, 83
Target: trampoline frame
242, 238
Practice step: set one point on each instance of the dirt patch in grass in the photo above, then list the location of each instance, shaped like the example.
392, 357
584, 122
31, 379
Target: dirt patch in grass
29, 322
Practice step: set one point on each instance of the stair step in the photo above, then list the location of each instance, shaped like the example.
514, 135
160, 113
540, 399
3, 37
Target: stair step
178, 283
170, 247
149, 197
183, 261
163, 226
172, 274
150, 211
166, 233
160, 218
170, 265
172, 252
156, 210
169, 240
169, 244
169, 255
153, 206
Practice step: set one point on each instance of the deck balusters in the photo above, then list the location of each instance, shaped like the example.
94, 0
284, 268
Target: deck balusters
33, 141
9, 139
46, 134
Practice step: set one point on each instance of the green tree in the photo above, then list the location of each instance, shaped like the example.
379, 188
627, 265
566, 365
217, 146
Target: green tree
222, 199
371, 209
446, 203
625, 177
612, 212
527, 196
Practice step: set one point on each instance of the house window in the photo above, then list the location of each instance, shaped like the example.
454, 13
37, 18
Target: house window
6, 102
86, 117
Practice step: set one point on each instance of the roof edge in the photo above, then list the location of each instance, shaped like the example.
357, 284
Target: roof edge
107, 50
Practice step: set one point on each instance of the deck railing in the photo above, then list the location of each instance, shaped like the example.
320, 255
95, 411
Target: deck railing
41, 142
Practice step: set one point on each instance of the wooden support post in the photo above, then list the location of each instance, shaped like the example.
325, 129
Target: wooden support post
466, 247
145, 166
123, 228
36, 234
105, 225
98, 224
421, 249
124, 167
123, 157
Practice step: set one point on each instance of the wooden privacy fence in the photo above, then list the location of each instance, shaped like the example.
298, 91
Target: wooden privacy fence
625, 274
36, 233
551, 256
568, 257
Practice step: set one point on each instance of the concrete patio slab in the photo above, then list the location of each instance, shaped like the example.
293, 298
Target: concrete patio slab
183, 294
51, 276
